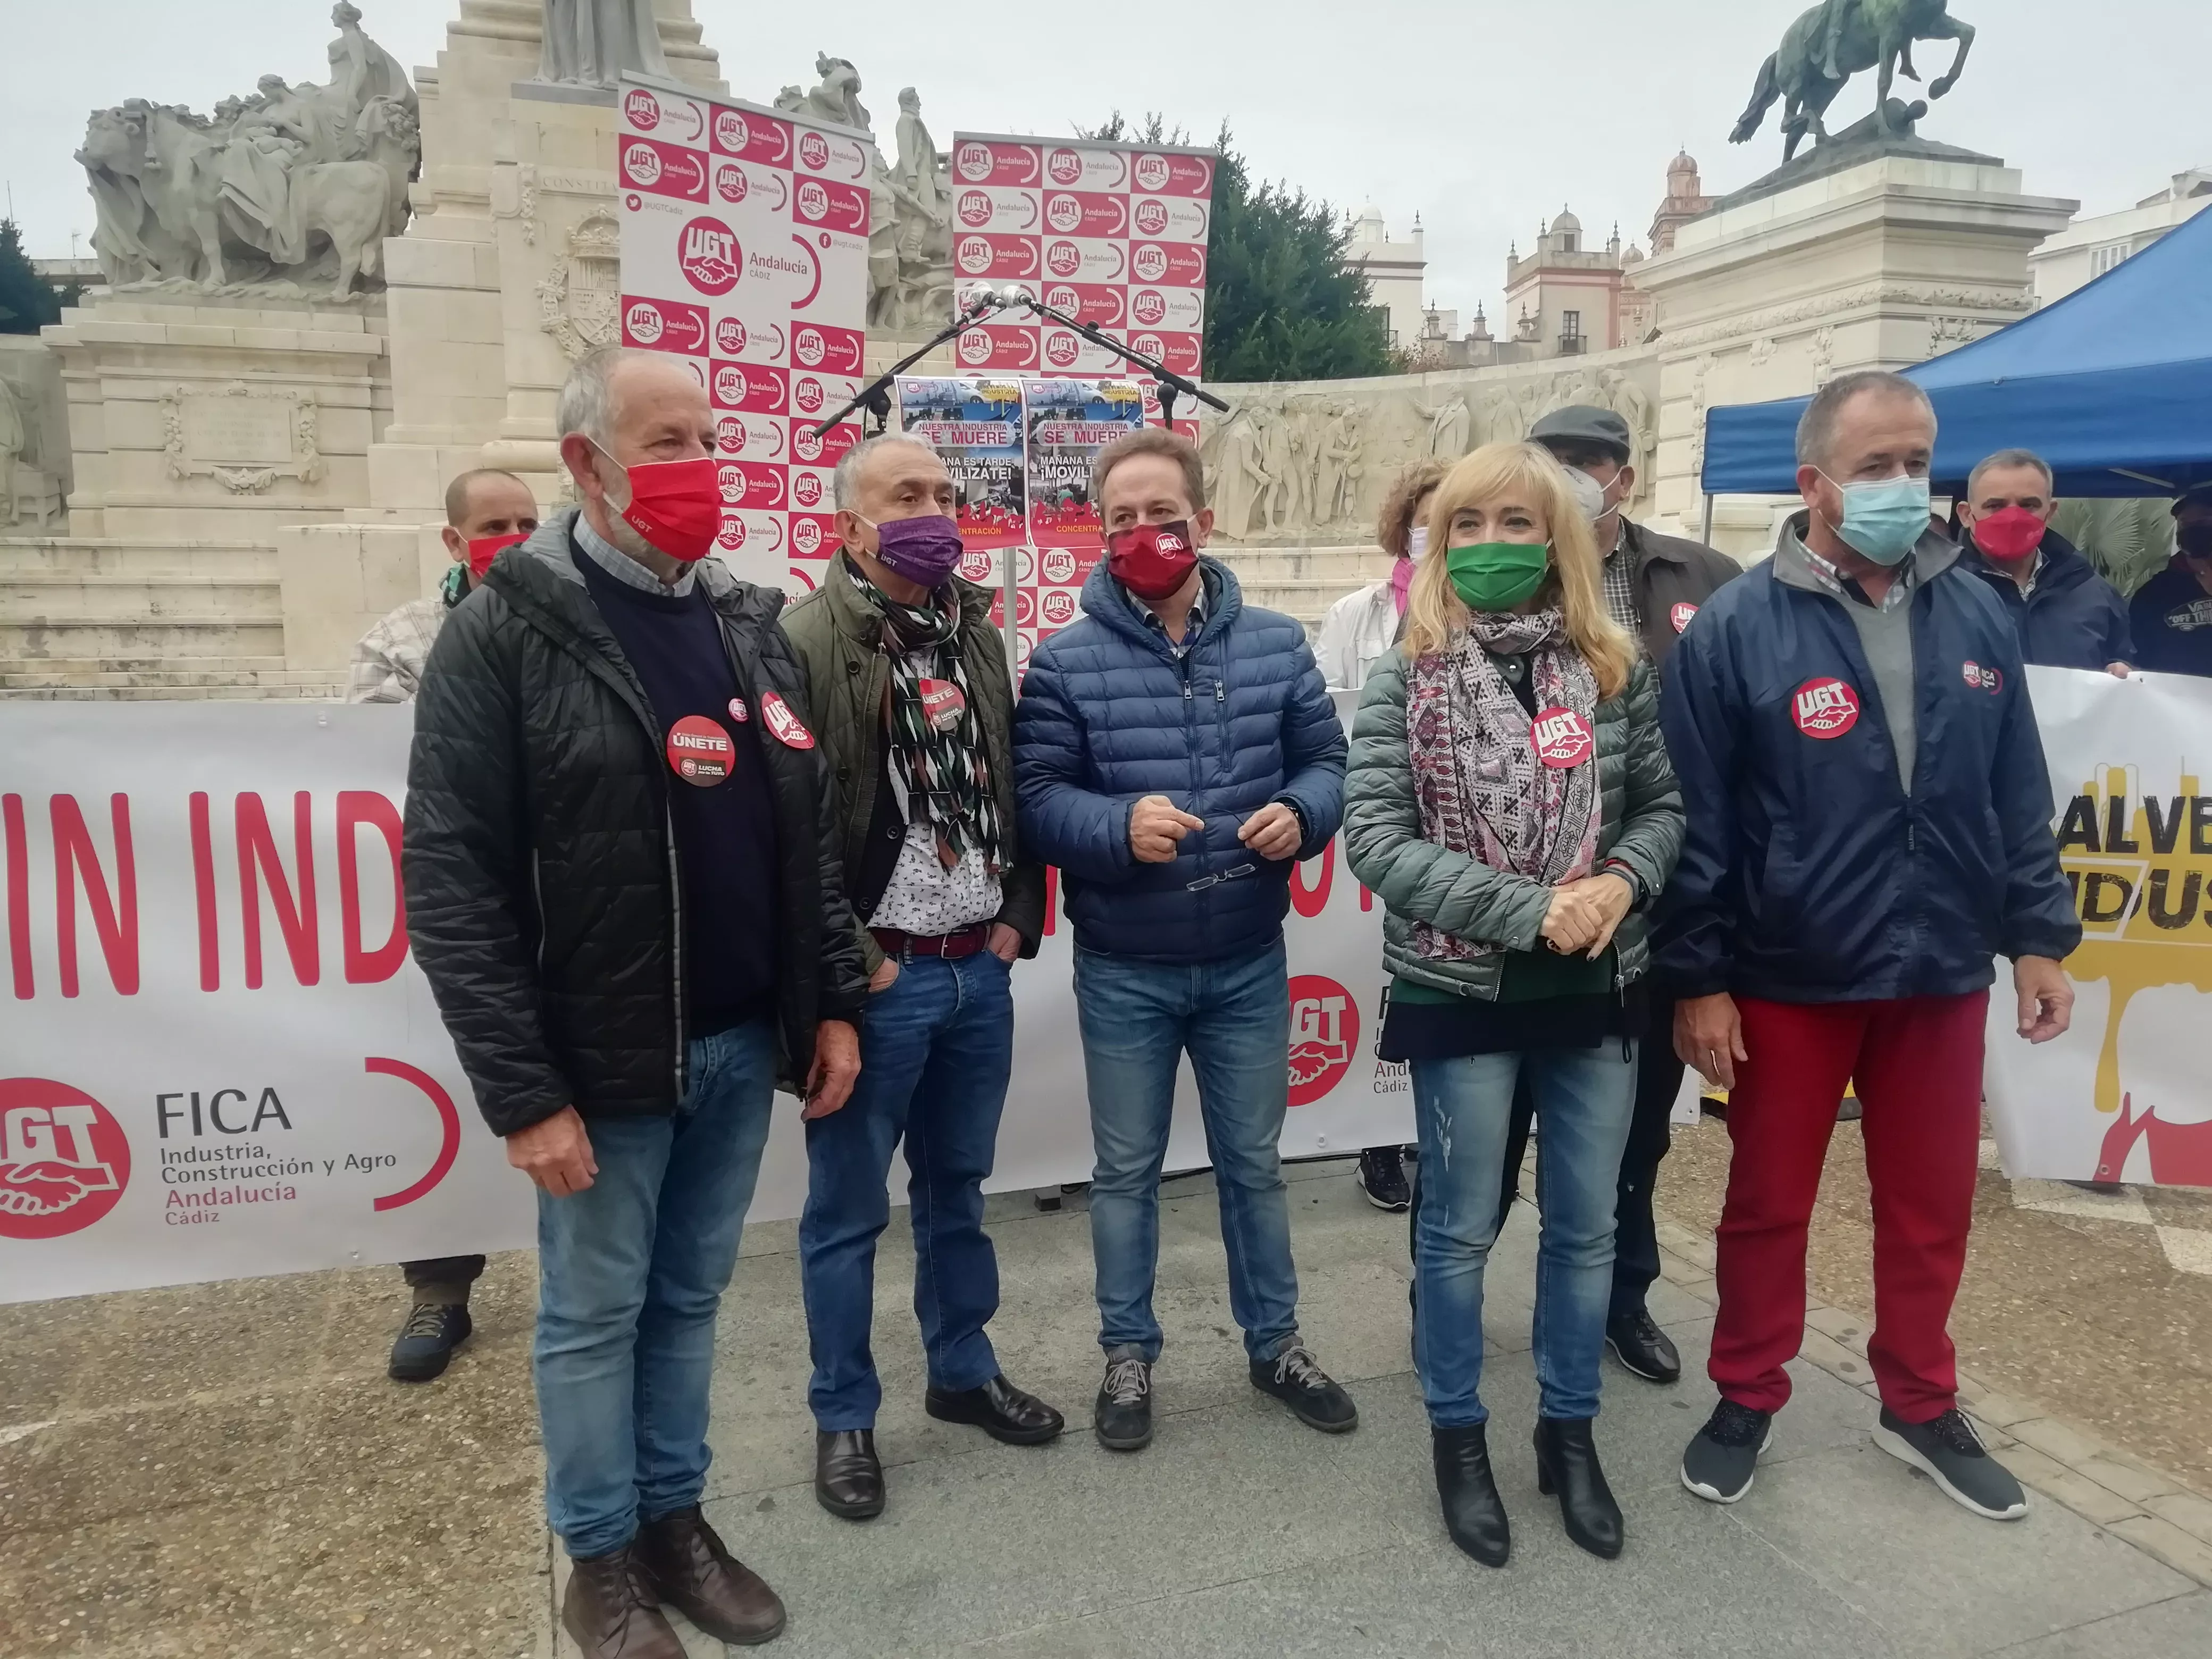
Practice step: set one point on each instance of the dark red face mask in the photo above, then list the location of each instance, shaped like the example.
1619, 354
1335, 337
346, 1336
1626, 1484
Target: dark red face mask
1152, 560
2009, 534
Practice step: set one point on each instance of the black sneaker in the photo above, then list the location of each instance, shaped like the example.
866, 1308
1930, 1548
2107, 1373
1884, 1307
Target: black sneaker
1719, 1463
1948, 1452
427, 1341
1293, 1378
1123, 1416
1641, 1347
1381, 1176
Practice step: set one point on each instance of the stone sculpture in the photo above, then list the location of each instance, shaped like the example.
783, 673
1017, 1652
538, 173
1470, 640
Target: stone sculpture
911, 278
14, 434
1310, 464
1836, 39
293, 184
594, 43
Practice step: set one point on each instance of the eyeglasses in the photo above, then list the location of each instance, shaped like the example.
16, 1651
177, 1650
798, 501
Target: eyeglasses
1205, 882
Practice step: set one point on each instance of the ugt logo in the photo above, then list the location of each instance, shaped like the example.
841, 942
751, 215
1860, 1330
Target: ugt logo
64, 1160
1324, 1032
707, 249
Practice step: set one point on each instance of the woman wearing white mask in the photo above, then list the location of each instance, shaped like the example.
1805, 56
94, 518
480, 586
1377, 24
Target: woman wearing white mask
1360, 626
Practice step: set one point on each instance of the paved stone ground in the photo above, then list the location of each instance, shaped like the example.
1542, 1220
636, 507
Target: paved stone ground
223, 1470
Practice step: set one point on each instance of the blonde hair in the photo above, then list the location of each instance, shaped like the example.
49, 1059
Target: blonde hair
1436, 615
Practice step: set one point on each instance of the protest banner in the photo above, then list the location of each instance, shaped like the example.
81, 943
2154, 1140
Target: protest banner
743, 246
1068, 422
2121, 1096
218, 1059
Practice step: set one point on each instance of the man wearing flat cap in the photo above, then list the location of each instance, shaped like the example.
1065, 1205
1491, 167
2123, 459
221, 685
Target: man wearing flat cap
1653, 586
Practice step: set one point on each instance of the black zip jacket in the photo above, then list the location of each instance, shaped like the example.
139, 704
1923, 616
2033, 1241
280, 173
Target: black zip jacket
544, 899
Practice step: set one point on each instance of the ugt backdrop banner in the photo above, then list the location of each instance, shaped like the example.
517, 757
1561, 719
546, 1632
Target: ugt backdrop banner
2126, 1094
744, 251
1113, 235
218, 1058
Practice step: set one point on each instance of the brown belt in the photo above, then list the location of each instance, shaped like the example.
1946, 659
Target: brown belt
952, 946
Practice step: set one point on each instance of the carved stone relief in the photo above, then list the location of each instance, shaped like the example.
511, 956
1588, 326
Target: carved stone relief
579, 301
244, 437
1309, 463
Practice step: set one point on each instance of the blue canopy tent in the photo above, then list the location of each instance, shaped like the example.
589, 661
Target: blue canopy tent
2112, 385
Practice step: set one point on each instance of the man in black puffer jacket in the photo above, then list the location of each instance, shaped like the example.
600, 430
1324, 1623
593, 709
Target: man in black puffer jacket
623, 884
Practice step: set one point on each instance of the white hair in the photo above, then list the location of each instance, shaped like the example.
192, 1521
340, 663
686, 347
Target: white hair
845, 485
586, 403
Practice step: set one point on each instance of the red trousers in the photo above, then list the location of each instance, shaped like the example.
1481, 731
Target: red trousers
1917, 1067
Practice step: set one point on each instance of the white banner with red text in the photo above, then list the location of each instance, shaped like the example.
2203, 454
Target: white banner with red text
2124, 1095
219, 1060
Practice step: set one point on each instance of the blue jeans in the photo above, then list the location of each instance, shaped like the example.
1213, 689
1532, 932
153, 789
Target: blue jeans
1234, 1018
936, 1051
1584, 1099
630, 1272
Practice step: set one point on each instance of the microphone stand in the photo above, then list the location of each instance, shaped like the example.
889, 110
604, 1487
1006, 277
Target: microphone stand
875, 397
1172, 385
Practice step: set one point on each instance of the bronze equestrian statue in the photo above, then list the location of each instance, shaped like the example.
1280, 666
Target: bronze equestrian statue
1835, 40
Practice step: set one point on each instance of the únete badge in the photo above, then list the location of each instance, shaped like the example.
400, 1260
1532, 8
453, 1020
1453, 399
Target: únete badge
699, 751
1561, 737
786, 728
942, 704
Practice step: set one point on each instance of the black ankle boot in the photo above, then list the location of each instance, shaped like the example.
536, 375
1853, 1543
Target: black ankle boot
1566, 1463
1475, 1516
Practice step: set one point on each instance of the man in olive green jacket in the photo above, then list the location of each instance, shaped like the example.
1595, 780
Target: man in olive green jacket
910, 698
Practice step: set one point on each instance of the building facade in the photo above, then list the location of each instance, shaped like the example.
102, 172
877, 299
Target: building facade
2089, 247
1393, 272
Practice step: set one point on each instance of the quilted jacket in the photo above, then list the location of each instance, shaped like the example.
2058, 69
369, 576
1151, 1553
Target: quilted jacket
1109, 713
543, 887
1417, 880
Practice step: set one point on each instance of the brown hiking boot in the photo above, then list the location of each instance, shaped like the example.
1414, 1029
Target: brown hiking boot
610, 1611
690, 1569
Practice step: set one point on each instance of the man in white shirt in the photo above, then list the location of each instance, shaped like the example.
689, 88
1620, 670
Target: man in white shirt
912, 702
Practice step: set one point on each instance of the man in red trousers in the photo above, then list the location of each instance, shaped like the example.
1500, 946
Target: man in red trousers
1869, 825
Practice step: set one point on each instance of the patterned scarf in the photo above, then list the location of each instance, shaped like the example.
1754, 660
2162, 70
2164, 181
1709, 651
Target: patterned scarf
946, 771
1477, 780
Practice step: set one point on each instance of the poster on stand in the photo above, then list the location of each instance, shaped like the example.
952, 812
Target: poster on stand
743, 239
1068, 422
975, 425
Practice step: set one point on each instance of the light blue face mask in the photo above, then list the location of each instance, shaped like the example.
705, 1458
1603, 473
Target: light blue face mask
1883, 518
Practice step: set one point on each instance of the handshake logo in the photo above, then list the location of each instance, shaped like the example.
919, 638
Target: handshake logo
64, 1160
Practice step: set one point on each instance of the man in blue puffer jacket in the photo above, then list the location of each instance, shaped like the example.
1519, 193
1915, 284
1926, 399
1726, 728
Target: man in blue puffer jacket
1869, 825
1175, 753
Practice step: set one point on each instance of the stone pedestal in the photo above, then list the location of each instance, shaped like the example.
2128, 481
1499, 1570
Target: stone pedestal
509, 270
204, 417
1879, 265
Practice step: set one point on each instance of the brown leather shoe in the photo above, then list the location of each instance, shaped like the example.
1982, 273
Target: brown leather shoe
690, 1569
610, 1611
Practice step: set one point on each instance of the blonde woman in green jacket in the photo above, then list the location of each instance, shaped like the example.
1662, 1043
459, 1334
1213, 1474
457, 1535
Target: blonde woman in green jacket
1510, 802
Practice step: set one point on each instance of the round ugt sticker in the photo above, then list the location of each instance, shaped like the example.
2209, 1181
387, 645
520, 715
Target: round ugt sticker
1562, 738
1825, 707
700, 752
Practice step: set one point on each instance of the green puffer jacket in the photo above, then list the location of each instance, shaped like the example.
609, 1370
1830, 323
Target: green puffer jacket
1420, 881
836, 630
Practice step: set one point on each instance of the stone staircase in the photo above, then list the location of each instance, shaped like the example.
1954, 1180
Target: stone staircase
144, 621
1302, 581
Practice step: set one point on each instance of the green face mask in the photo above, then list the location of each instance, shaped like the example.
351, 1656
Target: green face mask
1494, 576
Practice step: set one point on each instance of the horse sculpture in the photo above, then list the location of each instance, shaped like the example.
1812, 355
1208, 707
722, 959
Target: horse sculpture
1836, 39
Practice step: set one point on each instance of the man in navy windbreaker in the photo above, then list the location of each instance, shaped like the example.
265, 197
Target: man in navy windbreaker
1869, 824
1175, 753
2066, 616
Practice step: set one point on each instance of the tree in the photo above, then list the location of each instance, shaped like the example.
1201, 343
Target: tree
27, 302
1280, 304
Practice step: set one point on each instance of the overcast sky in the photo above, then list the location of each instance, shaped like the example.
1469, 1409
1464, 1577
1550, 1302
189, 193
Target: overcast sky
1483, 119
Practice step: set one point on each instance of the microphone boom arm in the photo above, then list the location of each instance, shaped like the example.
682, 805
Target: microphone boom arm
872, 397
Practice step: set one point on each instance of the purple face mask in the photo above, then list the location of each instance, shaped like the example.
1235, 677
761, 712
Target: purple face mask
925, 550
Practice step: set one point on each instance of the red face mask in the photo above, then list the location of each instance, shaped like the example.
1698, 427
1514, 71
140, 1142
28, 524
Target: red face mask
676, 506
1152, 560
2010, 534
485, 548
